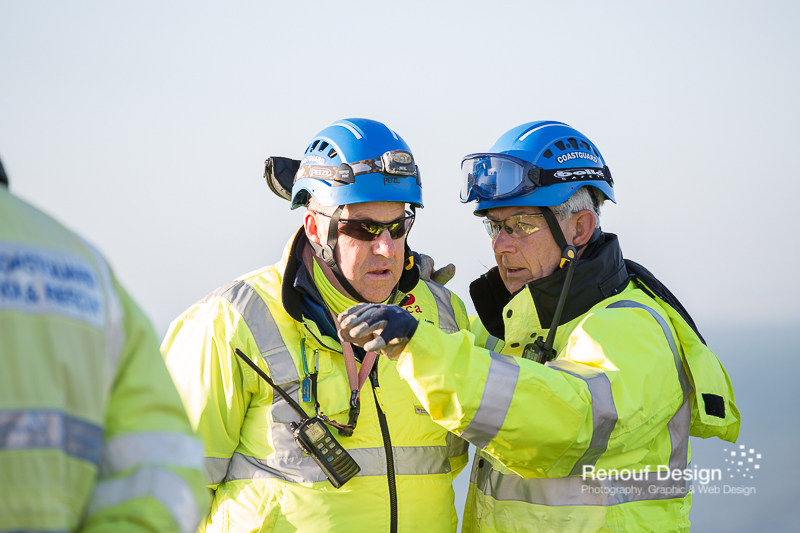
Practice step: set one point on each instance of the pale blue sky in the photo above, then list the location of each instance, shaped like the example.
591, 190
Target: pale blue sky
144, 126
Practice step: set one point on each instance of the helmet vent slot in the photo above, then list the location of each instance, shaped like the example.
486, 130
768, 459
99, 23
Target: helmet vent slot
585, 145
323, 146
548, 153
314, 145
573, 143
332, 153
560, 145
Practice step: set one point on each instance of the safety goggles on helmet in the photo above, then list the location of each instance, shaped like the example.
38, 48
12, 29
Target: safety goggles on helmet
499, 176
496, 176
518, 226
369, 230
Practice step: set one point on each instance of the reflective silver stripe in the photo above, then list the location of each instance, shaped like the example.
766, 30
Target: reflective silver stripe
678, 427
51, 429
216, 469
604, 412
256, 315
686, 385
155, 448
416, 460
498, 391
409, 461
564, 491
456, 445
491, 342
447, 316
170, 489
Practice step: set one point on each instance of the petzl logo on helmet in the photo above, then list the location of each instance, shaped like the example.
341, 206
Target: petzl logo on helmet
576, 155
581, 173
321, 172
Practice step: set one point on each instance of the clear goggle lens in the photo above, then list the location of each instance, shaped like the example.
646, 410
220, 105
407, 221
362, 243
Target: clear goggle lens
494, 177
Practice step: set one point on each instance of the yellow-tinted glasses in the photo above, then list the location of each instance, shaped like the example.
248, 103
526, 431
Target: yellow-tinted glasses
518, 226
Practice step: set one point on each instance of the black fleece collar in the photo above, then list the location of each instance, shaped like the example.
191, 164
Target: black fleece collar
297, 281
599, 274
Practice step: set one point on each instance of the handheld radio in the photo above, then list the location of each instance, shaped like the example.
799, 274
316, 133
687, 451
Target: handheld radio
313, 437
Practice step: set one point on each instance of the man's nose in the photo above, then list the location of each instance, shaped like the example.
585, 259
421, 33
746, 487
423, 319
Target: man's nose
384, 245
503, 243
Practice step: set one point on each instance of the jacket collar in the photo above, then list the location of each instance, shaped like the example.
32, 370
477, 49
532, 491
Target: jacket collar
599, 274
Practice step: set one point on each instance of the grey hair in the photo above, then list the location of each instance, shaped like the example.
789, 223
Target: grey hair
585, 198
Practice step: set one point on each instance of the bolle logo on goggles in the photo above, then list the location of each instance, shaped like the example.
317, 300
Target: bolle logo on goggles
577, 174
576, 155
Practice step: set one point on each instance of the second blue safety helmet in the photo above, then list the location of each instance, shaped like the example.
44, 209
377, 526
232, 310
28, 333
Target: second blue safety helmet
357, 160
538, 164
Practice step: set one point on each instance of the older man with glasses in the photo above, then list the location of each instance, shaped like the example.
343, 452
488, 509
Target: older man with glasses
321, 453
583, 378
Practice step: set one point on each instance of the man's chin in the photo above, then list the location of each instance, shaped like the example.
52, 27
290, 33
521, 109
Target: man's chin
514, 285
376, 293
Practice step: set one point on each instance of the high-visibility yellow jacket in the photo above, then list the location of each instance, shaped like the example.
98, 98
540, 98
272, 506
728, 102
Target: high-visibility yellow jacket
93, 436
262, 480
630, 382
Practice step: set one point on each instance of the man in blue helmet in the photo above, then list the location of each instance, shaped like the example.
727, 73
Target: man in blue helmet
583, 377
356, 178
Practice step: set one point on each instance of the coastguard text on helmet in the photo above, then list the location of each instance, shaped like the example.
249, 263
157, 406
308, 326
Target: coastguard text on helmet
577, 155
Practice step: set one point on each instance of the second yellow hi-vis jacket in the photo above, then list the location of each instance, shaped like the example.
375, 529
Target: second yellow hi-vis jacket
93, 436
262, 480
575, 444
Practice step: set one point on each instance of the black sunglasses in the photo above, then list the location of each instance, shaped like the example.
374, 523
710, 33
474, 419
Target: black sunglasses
369, 230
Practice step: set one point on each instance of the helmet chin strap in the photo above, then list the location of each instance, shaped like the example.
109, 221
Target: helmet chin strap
326, 254
569, 254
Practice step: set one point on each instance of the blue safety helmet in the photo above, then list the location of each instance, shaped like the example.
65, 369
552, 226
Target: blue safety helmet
539, 164
357, 160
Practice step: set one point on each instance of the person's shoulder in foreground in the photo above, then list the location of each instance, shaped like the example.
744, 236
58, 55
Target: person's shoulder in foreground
93, 436
360, 185
581, 363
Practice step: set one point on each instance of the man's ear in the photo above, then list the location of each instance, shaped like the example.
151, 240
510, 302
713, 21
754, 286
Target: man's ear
583, 226
313, 231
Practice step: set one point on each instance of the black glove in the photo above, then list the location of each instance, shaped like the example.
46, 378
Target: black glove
378, 327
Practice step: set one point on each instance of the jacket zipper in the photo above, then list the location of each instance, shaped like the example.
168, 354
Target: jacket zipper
387, 446
320, 340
